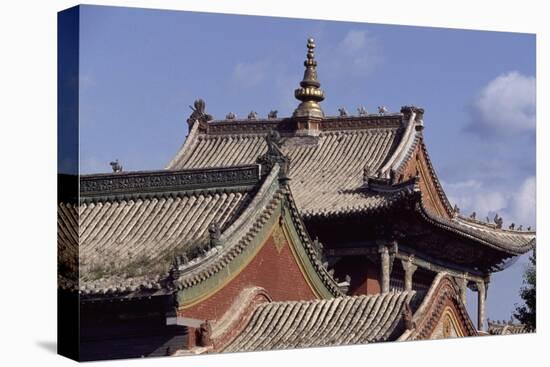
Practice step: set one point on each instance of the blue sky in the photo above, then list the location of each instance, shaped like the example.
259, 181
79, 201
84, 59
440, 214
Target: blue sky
141, 69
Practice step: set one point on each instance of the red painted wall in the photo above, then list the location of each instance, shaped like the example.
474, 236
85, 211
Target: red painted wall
365, 275
278, 273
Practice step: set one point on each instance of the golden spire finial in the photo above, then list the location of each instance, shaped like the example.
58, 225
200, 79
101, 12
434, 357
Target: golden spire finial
309, 92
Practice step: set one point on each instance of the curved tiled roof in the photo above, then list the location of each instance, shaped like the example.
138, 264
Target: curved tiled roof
326, 171
327, 177
513, 242
127, 244
67, 245
337, 321
130, 242
130, 233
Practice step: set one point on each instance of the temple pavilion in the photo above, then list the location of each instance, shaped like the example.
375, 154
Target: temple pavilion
277, 232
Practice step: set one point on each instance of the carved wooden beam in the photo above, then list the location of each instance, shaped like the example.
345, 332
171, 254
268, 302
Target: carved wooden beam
424, 264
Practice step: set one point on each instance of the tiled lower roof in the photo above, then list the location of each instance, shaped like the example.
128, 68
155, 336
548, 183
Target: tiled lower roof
130, 242
126, 245
67, 245
336, 321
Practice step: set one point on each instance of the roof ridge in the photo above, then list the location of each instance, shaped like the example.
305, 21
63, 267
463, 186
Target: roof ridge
287, 126
344, 297
400, 155
247, 120
188, 142
370, 116
469, 232
493, 226
435, 179
166, 182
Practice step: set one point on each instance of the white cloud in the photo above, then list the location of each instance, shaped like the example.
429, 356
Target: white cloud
250, 74
505, 105
361, 50
354, 41
472, 196
514, 205
523, 202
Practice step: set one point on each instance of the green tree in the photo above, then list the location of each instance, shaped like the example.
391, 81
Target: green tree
527, 313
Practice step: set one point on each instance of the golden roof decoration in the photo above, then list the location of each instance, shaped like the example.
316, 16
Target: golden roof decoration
309, 92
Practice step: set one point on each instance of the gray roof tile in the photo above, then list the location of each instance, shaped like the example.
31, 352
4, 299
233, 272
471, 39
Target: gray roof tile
325, 177
326, 171
127, 244
337, 321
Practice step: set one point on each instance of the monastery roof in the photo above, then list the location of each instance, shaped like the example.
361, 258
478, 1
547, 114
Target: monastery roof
337, 321
340, 165
329, 172
134, 225
331, 158
326, 170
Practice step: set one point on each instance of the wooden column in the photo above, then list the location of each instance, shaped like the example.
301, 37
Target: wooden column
384, 268
463, 282
409, 269
481, 295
